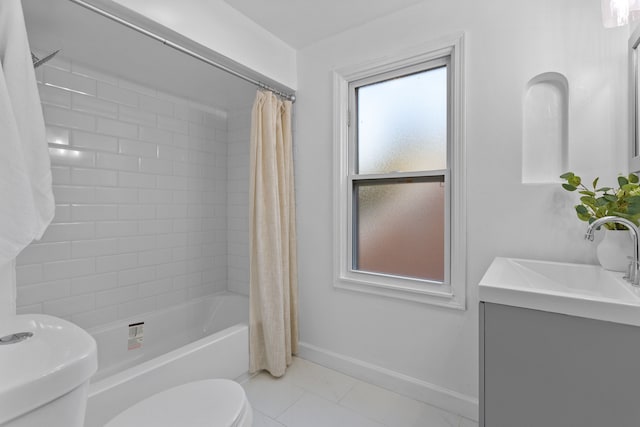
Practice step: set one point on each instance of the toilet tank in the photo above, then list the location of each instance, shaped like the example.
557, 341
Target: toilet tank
45, 367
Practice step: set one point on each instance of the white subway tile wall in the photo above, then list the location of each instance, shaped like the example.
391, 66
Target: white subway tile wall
238, 163
152, 200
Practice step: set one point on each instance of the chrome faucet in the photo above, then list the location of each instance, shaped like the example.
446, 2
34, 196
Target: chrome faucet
633, 273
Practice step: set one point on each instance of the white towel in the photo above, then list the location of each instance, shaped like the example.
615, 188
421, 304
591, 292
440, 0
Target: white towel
26, 198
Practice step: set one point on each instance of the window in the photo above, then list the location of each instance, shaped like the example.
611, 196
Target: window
399, 171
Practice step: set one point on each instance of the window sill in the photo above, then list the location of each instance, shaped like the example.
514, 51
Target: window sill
441, 298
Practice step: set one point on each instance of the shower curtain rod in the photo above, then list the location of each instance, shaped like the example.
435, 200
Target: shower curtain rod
182, 49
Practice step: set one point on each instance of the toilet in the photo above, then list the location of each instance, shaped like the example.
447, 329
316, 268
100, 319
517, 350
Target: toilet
206, 403
45, 367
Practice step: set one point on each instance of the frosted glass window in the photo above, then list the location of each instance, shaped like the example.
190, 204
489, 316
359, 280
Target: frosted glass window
400, 224
399, 175
400, 228
402, 123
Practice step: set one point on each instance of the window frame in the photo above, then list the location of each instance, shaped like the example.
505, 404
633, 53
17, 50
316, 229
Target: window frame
452, 292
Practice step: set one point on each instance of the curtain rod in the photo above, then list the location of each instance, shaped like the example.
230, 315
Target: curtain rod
182, 49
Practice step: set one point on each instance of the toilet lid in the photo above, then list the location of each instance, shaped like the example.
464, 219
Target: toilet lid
207, 403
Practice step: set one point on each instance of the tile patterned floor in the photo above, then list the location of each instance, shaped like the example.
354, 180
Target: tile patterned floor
310, 395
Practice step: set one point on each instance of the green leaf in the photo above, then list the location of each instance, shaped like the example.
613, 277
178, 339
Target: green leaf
588, 200
618, 213
581, 210
633, 178
604, 189
610, 198
633, 205
575, 180
566, 175
629, 187
569, 187
601, 201
622, 181
595, 182
587, 193
584, 217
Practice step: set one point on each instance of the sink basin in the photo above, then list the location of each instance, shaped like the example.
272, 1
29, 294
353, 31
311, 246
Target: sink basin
573, 289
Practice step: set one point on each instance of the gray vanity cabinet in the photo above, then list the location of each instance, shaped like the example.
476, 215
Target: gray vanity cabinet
543, 369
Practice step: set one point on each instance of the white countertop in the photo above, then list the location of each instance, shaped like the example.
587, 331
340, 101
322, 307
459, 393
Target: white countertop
574, 289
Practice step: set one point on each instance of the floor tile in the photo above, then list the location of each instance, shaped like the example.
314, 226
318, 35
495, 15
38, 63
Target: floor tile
310, 395
261, 420
393, 409
271, 396
324, 382
314, 411
468, 423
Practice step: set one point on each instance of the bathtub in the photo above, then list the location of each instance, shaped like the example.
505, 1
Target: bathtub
204, 338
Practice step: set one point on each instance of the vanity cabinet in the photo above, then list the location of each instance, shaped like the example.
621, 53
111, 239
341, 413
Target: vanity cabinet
545, 369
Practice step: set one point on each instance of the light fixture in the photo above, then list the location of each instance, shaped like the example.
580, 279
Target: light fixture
616, 13
634, 10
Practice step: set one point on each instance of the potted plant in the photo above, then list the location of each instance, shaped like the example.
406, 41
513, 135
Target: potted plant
598, 202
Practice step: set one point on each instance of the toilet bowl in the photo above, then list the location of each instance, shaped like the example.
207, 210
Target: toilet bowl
206, 403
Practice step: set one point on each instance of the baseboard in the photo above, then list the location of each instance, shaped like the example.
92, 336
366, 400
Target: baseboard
450, 400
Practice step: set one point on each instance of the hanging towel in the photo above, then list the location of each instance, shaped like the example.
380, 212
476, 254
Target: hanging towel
26, 198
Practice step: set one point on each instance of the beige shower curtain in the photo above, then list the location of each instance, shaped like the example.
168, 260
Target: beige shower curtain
273, 280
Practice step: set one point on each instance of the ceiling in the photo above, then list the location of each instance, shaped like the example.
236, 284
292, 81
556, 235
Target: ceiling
300, 23
91, 40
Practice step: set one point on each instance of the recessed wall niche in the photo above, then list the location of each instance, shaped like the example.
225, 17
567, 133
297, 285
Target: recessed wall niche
545, 128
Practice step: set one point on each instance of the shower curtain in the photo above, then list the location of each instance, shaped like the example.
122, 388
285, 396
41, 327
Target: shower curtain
273, 298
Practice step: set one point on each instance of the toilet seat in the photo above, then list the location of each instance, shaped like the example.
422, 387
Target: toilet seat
207, 403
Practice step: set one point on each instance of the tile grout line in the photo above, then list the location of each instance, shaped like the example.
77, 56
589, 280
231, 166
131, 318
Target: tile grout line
354, 411
292, 404
267, 416
355, 382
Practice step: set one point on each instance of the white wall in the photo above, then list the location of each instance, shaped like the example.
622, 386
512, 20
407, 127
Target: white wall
506, 45
218, 26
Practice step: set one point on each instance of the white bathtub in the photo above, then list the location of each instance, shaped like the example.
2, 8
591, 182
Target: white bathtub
205, 338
